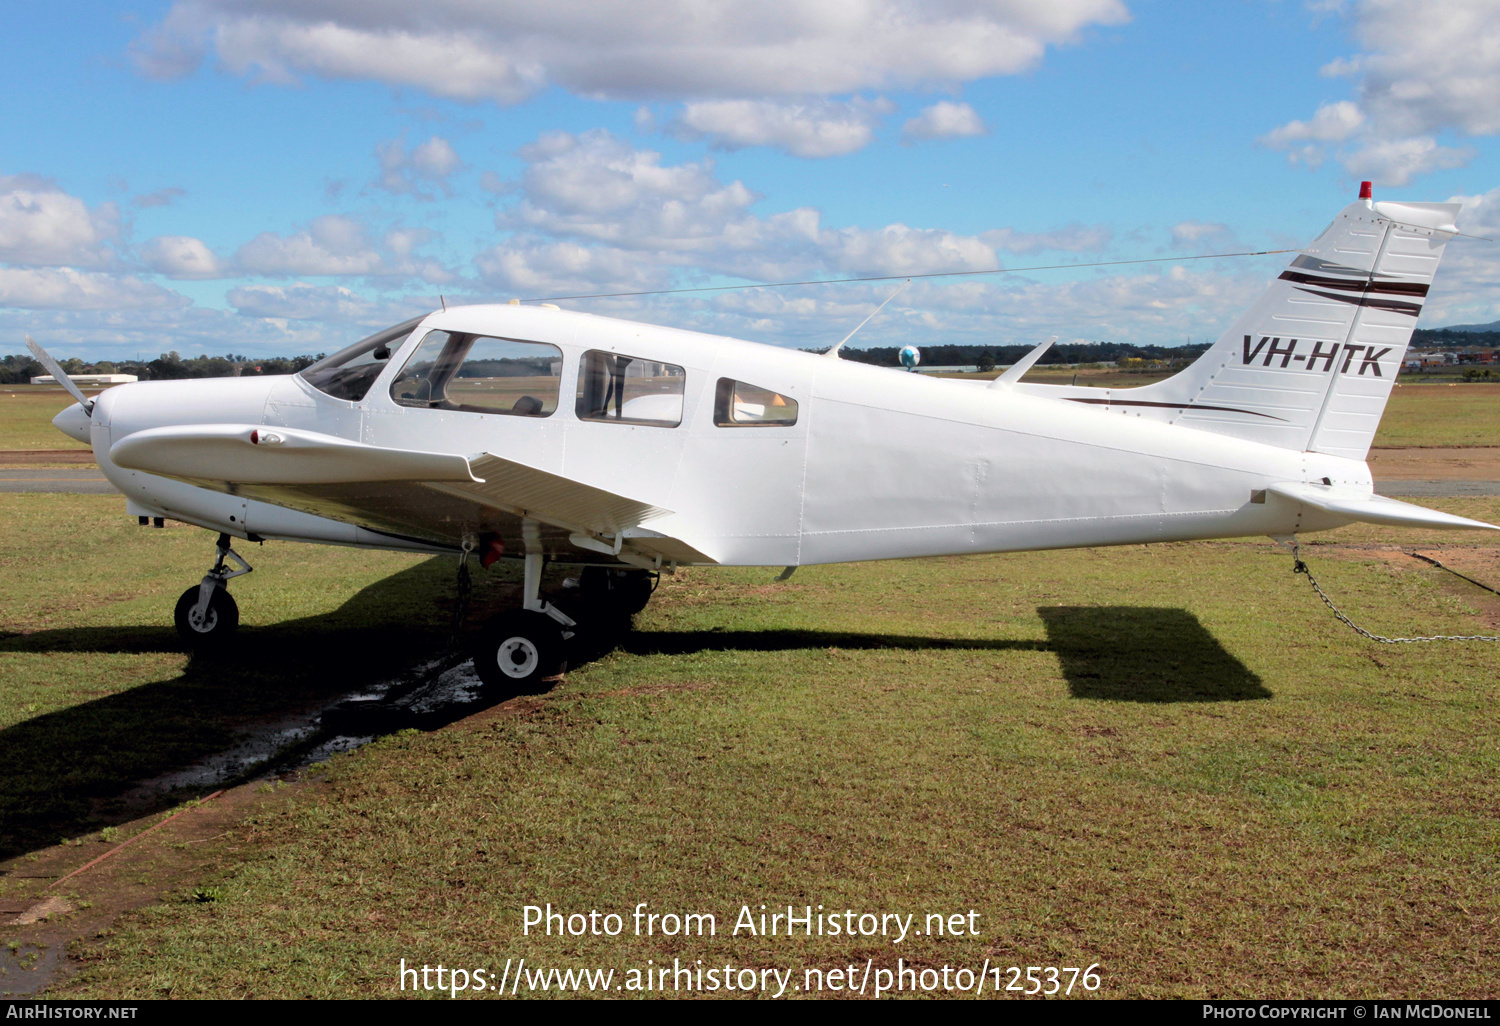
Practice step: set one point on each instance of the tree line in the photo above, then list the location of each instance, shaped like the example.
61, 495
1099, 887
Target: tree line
20, 369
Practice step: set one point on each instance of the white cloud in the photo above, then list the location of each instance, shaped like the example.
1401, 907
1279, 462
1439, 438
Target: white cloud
42, 225
821, 128
1466, 289
300, 301
670, 48
407, 171
1398, 161
537, 269
181, 257
897, 249
1429, 68
339, 245
332, 244
64, 288
1334, 122
944, 120
595, 214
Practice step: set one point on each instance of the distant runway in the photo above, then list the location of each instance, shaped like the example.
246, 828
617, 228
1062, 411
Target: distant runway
1436, 489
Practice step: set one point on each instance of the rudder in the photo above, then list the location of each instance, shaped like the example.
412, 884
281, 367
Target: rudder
1310, 366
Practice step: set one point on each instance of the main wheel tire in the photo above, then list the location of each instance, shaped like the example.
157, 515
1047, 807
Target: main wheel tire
519, 650
624, 591
220, 620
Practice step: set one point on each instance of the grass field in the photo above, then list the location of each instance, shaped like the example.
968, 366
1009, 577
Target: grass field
1420, 413
1170, 761
26, 413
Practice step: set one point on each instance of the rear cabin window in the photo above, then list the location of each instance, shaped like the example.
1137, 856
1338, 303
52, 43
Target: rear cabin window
454, 370
741, 404
629, 390
349, 373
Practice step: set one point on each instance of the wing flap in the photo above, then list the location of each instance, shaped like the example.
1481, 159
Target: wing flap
1373, 509
526, 491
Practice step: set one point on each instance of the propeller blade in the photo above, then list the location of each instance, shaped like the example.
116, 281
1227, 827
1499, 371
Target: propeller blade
60, 375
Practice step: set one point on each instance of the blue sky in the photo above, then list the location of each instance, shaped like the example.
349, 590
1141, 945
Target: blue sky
283, 176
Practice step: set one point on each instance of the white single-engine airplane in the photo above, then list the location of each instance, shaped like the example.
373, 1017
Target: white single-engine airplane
531, 432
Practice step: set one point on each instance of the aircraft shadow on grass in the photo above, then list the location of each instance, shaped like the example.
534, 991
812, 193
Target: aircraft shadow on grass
1115, 653
77, 770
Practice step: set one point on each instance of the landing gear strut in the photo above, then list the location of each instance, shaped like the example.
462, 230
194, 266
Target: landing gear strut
521, 648
207, 614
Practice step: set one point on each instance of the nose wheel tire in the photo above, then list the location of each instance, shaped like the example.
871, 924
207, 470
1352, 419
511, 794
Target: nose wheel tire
211, 628
518, 651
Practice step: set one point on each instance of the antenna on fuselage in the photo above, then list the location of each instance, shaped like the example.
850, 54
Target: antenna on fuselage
834, 352
1021, 366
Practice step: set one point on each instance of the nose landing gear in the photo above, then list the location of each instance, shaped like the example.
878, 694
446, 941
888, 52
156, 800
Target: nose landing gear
207, 614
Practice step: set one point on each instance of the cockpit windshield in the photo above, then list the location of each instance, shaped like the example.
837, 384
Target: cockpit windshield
349, 373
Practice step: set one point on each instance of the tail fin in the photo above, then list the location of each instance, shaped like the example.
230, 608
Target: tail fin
1310, 365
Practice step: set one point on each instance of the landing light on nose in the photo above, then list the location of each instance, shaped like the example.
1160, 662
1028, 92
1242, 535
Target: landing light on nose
73, 422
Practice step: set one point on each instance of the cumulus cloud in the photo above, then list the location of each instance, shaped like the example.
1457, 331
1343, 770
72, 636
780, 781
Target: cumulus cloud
429, 163
300, 301
339, 245
1399, 161
40, 225
814, 129
596, 214
64, 288
181, 257
1467, 287
944, 120
332, 244
1427, 69
671, 48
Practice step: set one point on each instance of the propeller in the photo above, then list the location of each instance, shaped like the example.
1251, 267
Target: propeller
60, 375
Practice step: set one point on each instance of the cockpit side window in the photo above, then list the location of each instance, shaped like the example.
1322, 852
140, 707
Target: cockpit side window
479, 374
629, 390
349, 373
740, 404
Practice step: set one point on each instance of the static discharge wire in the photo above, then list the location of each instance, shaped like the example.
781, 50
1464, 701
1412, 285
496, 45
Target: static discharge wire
898, 277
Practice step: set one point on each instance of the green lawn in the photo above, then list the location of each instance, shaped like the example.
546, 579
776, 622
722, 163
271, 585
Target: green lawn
1170, 761
26, 413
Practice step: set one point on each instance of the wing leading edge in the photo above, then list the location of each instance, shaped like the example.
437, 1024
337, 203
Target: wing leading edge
438, 497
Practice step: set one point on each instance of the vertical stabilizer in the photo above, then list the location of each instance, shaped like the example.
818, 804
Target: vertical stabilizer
1310, 365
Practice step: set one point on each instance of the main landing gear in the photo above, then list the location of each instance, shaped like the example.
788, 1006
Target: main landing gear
523, 647
206, 613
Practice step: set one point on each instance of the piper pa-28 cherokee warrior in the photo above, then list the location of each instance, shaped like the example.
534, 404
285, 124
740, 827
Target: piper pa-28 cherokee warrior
541, 434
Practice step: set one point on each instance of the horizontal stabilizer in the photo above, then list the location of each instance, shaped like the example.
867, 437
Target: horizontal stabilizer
1373, 509
256, 454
